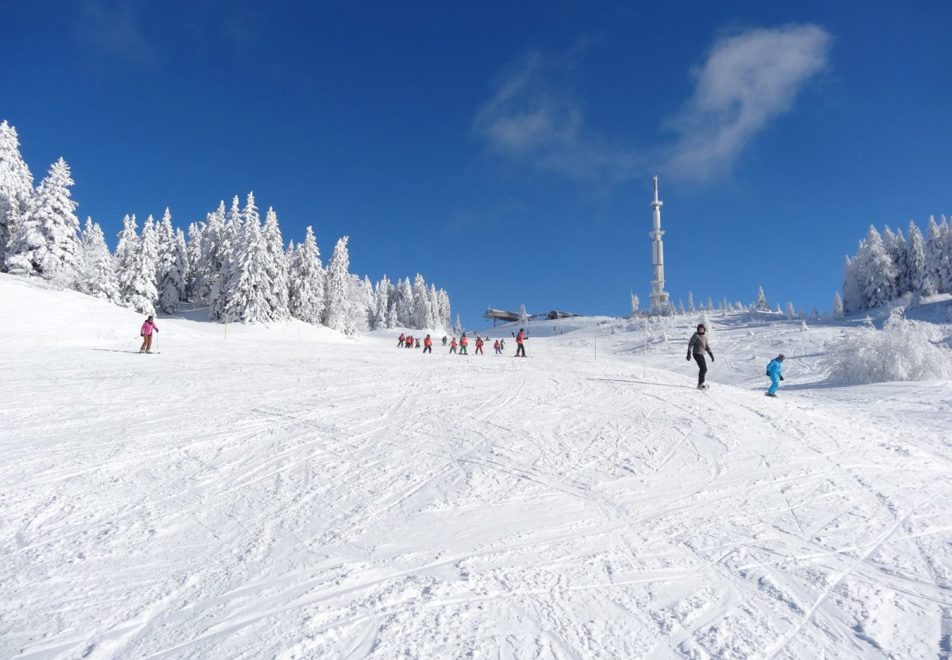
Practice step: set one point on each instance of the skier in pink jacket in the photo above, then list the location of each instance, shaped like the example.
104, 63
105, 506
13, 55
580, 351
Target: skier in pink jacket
146, 333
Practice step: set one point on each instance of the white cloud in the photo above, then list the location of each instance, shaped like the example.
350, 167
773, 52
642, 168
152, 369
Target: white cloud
115, 28
534, 117
747, 80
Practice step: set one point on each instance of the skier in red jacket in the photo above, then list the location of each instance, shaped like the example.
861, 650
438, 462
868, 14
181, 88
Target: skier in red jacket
453, 345
521, 343
463, 343
428, 345
479, 345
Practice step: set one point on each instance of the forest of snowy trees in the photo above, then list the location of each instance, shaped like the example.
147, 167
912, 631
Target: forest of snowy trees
890, 265
232, 262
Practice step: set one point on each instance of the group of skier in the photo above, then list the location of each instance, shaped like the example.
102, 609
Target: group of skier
698, 346
461, 347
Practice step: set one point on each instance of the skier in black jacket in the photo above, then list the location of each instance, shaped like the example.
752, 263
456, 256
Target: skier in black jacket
697, 347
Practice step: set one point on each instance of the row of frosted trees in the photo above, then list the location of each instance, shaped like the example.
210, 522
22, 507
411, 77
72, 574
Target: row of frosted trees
233, 262
890, 265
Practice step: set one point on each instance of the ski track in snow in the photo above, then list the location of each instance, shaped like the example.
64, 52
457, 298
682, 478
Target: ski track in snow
261, 496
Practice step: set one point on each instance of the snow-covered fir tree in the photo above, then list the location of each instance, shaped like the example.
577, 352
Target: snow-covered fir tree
445, 311
791, 312
337, 307
45, 241
210, 264
360, 303
691, 307
915, 277
761, 305
16, 186
837, 305
404, 303
381, 303
422, 316
248, 285
434, 308
172, 266
276, 267
193, 259
895, 245
876, 271
97, 272
137, 279
306, 281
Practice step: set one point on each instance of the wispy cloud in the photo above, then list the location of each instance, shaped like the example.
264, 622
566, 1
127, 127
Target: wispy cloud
115, 28
747, 80
534, 116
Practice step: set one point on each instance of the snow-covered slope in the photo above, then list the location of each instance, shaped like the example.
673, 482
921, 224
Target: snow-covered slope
284, 492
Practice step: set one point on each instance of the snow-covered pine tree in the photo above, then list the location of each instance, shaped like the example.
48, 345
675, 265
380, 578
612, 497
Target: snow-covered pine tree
853, 298
211, 260
916, 276
691, 307
876, 271
934, 253
16, 186
635, 303
943, 257
445, 312
361, 303
138, 285
837, 305
381, 303
681, 309
248, 283
125, 255
45, 242
761, 305
778, 310
434, 309
172, 266
306, 277
337, 306
791, 312
404, 303
421, 303
97, 272
276, 267
458, 327
194, 260
895, 246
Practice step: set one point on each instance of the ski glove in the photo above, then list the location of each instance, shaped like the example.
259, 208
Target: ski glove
688, 358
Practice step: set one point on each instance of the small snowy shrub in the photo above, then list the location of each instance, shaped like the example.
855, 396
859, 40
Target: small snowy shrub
902, 350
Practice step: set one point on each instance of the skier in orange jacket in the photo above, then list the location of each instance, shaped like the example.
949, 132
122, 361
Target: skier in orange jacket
521, 343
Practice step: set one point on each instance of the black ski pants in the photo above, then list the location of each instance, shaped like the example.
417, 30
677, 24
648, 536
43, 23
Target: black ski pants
520, 350
427, 349
702, 367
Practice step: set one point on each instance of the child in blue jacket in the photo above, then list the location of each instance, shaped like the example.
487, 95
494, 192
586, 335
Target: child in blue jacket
773, 370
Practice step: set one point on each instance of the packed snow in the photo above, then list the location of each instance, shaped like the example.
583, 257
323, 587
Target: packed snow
288, 492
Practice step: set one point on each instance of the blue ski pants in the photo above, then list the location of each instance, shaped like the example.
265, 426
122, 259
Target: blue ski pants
774, 385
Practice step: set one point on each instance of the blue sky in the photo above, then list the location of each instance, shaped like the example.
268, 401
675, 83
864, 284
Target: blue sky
505, 149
